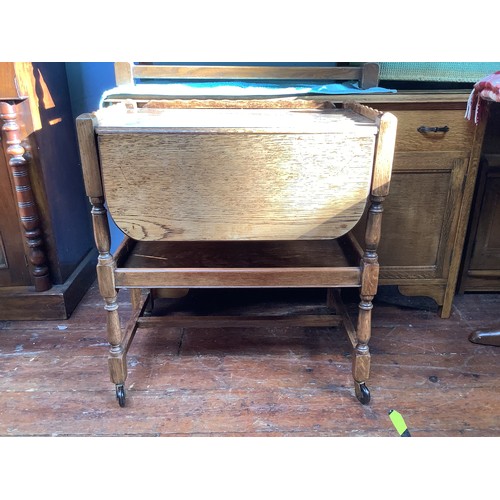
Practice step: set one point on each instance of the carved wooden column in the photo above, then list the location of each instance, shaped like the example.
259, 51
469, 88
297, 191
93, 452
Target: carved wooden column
26, 204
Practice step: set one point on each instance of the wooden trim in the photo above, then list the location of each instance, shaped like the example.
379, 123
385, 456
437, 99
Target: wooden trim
384, 155
435, 291
237, 277
364, 110
187, 321
209, 103
386, 141
487, 273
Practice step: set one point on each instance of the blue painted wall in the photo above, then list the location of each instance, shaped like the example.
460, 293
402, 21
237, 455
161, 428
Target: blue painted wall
87, 81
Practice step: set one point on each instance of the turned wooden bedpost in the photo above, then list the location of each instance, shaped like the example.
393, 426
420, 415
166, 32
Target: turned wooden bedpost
106, 263
28, 212
382, 170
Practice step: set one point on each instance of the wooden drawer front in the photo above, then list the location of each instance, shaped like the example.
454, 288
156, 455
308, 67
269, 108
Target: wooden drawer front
459, 137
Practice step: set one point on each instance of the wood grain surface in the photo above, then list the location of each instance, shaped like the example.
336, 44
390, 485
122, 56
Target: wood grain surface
229, 187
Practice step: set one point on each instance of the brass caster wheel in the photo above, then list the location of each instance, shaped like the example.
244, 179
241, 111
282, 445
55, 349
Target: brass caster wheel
120, 394
362, 393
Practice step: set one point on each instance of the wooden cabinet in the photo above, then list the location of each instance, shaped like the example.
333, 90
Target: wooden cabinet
427, 210
47, 256
481, 265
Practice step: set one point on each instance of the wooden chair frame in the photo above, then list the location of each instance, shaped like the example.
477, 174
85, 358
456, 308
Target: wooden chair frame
114, 275
366, 74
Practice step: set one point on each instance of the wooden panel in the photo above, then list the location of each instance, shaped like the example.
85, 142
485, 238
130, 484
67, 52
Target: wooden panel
418, 244
235, 186
214, 254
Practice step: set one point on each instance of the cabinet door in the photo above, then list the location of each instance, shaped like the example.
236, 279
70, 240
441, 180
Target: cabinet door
420, 217
13, 267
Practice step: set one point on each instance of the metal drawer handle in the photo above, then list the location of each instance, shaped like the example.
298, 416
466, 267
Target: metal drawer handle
425, 130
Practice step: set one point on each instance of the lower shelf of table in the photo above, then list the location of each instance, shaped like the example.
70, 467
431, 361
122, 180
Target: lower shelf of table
245, 307
302, 263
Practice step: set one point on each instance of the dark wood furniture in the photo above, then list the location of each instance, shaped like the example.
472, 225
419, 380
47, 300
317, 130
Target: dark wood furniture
46, 245
238, 198
481, 265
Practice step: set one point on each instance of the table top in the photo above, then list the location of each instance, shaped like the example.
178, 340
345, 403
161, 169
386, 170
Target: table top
119, 118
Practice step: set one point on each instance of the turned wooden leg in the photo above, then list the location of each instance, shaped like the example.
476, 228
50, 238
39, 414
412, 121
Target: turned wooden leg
361, 354
106, 265
369, 284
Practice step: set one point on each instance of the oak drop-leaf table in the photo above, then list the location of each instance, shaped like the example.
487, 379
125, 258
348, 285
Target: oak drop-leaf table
237, 199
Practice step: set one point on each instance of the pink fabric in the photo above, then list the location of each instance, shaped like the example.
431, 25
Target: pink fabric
488, 88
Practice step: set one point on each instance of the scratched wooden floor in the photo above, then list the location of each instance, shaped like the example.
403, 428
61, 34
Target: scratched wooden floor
288, 381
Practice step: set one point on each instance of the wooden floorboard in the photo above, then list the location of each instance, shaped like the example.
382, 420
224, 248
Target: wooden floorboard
277, 381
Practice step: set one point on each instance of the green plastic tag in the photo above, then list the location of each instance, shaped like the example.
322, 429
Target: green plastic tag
398, 422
